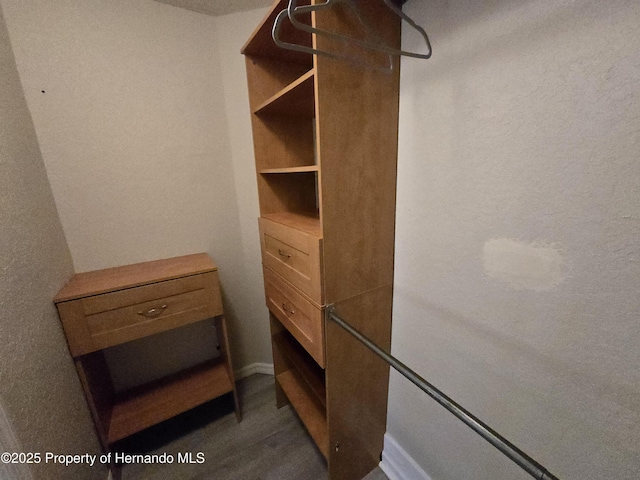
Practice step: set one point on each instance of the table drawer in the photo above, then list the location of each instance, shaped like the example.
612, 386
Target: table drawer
301, 317
293, 254
101, 321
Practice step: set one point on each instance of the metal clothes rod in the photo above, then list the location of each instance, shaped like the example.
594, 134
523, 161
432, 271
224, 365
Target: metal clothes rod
523, 460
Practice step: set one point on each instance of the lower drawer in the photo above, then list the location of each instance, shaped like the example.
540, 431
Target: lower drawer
298, 315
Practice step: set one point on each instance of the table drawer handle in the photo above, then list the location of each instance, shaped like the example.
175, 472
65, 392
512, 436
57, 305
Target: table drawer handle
153, 313
286, 310
283, 254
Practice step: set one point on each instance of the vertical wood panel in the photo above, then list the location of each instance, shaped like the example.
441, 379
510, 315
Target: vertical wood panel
280, 362
225, 353
96, 382
357, 125
357, 385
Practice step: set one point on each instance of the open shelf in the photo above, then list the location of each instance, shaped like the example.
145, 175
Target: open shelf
309, 409
283, 141
303, 169
261, 43
293, 192
296, 99
307, 223
308, 369
150, 404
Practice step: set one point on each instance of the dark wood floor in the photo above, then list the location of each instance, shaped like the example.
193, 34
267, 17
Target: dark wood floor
269, 443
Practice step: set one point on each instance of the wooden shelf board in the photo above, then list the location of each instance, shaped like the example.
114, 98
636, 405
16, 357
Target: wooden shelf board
295, 100
308, 369
150, 404
261, 43
310, 411
307, 223
302, 169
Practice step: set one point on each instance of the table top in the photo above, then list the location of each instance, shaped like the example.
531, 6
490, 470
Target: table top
111, 279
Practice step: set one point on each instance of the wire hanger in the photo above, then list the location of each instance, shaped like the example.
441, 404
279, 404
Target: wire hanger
293, 11
277, 25
378, 44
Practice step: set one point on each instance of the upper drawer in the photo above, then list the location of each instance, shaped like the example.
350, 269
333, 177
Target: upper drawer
101, 321
293, 254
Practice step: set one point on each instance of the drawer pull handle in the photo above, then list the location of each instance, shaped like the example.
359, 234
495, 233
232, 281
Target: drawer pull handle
286, 310
153, 313
283, 254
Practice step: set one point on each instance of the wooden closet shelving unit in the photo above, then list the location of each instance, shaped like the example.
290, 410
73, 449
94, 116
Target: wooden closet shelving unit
325, 142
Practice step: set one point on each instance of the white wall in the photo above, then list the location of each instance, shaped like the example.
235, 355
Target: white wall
133, 129
232, 33
518, 237
132, 126
42, 407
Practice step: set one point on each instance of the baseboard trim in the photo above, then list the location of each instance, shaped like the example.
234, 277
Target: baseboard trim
397, 464
263, 368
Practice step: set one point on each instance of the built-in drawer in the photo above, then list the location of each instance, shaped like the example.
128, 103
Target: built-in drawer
298, 315
294, 255
100, 321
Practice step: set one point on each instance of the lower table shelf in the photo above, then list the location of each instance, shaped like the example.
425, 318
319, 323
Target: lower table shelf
150, 404
306, 404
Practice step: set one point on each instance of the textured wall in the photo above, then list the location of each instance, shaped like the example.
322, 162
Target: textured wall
232, 32
219, 7
518, 237
39, 390
131, 125
135, 139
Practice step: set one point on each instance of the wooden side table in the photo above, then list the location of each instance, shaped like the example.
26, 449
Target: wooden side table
108, 307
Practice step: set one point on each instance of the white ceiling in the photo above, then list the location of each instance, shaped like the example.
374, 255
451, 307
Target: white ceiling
218, 7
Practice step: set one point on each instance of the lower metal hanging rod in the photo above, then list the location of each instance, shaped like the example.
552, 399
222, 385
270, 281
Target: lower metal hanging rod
523, 460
